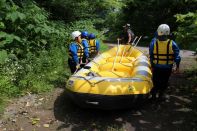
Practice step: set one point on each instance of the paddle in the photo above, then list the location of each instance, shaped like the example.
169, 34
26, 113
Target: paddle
132, 43
135, 45
103, 32
125, 48
116, 53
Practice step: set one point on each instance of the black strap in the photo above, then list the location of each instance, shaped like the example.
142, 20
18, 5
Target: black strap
80, 51
161, 59
157, 51
164, 54
93, 48
168, 47
70, 54
167, 53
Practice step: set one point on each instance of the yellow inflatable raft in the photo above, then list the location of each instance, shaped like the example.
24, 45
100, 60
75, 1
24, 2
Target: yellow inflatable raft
118, 78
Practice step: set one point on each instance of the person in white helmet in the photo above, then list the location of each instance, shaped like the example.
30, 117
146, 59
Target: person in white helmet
163, 52
76, 52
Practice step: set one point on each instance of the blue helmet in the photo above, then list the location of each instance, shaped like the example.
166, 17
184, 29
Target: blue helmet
84, 34
92, 36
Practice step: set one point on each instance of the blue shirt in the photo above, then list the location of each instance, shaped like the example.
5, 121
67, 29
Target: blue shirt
74, 48
175, 48
97, 45
85, 45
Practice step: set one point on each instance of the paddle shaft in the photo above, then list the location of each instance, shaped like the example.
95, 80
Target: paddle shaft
132, 43
116, 54
124, 48
135, 45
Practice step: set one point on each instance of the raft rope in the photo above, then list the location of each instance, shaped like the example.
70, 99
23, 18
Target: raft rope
112, 80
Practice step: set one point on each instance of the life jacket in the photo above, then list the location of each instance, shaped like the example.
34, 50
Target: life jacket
92, 45
163, 53
80, 51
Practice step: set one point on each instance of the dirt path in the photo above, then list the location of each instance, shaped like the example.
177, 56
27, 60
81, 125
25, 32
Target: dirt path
54, 111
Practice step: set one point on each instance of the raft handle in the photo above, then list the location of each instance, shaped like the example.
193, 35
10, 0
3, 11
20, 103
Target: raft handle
89, 68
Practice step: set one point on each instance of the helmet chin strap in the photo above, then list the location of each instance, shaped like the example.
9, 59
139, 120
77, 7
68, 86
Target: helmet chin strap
162, 37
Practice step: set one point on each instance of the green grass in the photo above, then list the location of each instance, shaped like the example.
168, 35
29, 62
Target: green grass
103, 47
192, 46
2, 104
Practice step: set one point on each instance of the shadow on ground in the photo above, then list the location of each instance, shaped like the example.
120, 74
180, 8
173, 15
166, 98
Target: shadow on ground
177, 113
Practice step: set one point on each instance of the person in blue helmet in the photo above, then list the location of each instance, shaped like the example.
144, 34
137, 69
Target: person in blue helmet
84, 42
76, 52
94, 45
163, 52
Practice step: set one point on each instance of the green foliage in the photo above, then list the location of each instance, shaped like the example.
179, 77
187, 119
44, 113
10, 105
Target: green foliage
2, 26
75, 10
187, 30
72, 10
2, 104
15, 15
100, 13
32, 49
32, 31
145, 16
103, 47
83, 25
8, 38
3, 56
7, 88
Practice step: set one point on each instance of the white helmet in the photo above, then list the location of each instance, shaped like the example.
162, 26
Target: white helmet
163, 29
75, 34
127, 25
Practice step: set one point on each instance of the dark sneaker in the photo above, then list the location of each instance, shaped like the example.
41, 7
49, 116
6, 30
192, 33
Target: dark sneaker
162, 98
153, 97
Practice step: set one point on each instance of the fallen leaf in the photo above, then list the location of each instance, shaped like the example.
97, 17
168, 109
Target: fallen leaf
50, 121
41, 99
23, 112
14, 120
27, 104
46, 125
29, 93
35, 121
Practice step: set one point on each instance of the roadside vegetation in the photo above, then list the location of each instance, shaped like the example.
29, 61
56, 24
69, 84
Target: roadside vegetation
34, 35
